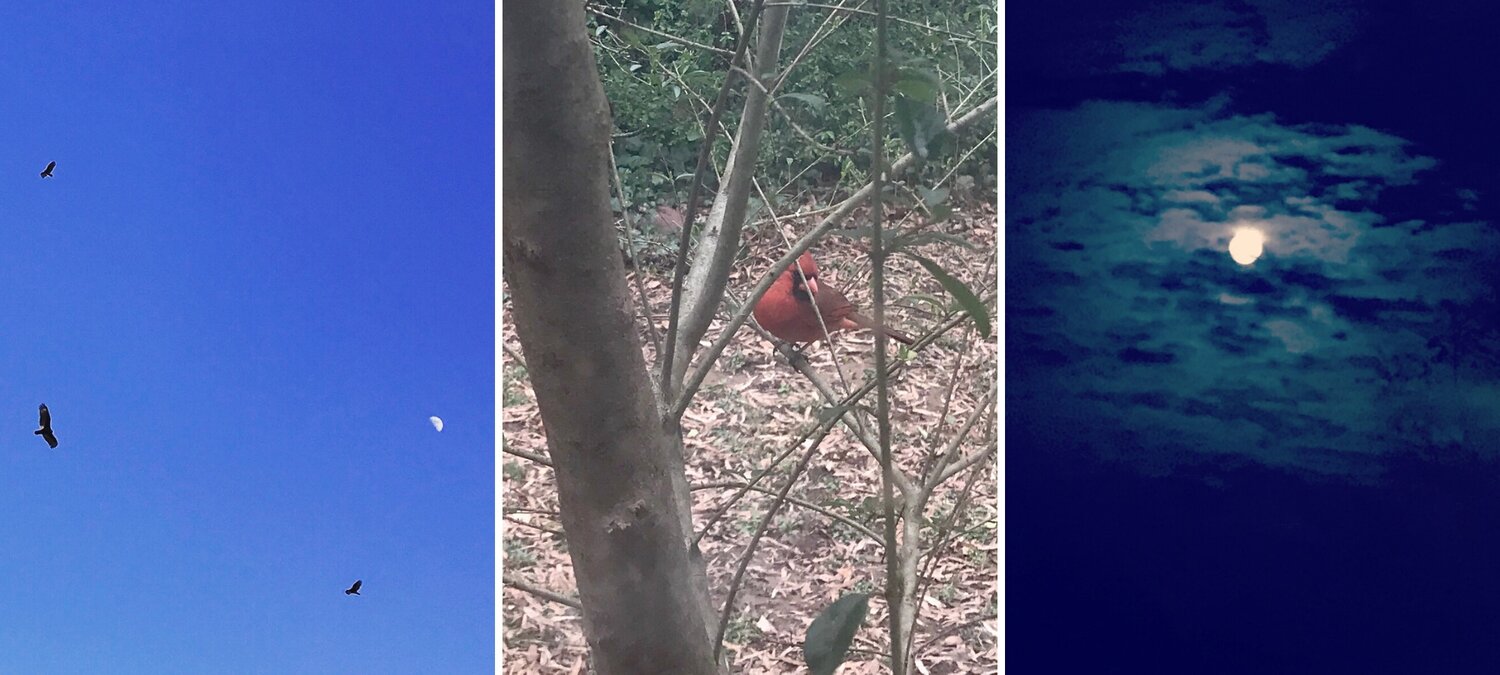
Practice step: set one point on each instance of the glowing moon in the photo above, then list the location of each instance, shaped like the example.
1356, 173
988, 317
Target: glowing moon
1247, 245
437, 422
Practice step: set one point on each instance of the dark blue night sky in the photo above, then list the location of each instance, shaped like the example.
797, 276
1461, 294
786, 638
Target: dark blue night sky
1282, 467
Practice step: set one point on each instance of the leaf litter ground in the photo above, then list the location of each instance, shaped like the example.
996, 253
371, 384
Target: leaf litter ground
751, 407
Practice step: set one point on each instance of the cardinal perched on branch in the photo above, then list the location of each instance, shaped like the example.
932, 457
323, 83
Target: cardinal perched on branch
790, 309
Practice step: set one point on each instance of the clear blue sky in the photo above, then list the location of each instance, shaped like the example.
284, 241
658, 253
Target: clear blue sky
266, 257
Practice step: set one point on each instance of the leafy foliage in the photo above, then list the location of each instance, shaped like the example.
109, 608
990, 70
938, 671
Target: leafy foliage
817, 135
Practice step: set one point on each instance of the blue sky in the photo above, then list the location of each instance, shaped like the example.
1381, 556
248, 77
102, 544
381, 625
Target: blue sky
1288, 466
266, 257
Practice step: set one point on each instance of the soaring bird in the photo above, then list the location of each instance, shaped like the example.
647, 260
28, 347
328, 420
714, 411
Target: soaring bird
354, 590
46, 431
47, 172
790, 309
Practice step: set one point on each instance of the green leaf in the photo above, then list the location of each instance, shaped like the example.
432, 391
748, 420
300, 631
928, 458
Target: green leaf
663, 46
829, 635
933, 197
812, 100
941, 212
960, 292
915, 87
856, 81
921, 126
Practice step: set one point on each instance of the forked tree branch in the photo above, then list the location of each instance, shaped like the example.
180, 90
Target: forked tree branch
719, 239
695, 194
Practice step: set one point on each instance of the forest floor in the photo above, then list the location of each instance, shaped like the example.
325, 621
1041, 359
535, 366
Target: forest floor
753, 406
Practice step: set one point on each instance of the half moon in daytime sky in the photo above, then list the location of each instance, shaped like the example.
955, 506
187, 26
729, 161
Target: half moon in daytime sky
437, 422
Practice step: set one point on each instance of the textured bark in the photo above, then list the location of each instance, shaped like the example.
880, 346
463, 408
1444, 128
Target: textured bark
613, 458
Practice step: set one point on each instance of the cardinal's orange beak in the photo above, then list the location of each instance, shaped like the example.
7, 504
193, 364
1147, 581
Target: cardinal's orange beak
812, 286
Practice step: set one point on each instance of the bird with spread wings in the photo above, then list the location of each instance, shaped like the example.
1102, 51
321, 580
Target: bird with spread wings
46, 431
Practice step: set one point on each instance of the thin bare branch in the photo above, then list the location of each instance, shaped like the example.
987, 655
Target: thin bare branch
647, 29
526, 455
644, 302
946, 466
909, 22
816, 432
695, 194
949, 630
945, 535
760, 531
514, 355
534, 526
543, 593
972, 458
799, 502
966, 462
552, 513
820, 34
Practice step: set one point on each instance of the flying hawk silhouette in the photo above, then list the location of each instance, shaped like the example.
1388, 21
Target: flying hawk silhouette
46, 431
354, 590
47, 172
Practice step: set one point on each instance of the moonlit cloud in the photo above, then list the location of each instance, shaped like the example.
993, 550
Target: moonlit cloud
1146, 324
1155, 39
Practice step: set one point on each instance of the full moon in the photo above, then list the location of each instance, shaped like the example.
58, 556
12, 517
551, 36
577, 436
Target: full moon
1247, 245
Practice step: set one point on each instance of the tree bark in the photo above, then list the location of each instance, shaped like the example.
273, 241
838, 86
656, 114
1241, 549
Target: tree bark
612, 455
719, 241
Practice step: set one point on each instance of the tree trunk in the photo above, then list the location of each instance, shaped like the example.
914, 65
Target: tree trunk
612, 456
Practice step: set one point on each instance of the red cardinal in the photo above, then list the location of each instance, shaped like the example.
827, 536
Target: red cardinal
790, 309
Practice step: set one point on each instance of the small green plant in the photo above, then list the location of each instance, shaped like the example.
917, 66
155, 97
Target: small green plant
843, 533
517, 557
741, 630
513, 392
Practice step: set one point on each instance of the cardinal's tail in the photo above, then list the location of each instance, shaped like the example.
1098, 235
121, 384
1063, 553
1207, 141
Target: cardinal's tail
899, 336
866, 322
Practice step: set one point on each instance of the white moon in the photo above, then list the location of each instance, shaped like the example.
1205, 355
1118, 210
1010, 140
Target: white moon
437, 422
1247, 245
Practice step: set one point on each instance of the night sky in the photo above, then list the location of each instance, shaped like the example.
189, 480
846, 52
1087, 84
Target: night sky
1286, 466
